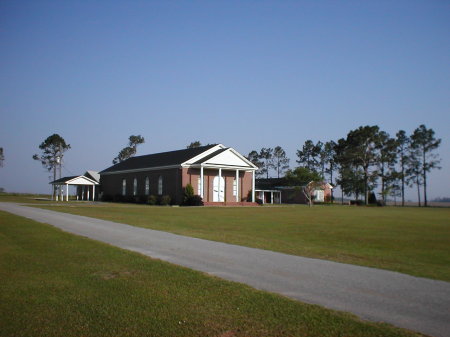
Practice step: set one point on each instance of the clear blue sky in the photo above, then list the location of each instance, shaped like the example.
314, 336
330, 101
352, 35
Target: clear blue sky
248, 74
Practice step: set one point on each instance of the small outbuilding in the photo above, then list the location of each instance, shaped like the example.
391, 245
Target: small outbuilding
85, 186
277, 190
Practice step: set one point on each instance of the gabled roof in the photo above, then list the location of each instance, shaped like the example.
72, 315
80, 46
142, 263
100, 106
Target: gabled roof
212, 155
163, 159
93, 175
63, 180
75, 180
282, 183
225, 157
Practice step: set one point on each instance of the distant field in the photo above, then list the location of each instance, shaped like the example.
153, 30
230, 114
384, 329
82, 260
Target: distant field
57, 284
414, 204
24, 198
410, 240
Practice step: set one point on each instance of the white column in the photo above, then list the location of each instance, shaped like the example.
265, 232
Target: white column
87, 197
82, 192
67, 192
201, 181
237, 185
220, 178
271, 197
253, 186
93, 192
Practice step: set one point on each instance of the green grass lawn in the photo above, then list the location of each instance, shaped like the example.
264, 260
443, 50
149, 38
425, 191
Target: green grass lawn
411, 240
56, 284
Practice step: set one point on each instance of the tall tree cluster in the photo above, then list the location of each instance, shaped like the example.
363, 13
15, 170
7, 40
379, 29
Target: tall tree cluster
369, 157
269, 160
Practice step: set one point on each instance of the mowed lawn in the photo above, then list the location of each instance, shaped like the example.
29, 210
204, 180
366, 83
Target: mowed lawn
410, 240
56, 284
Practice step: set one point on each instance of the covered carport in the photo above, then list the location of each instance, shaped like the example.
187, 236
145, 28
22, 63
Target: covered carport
83, 181
269, 196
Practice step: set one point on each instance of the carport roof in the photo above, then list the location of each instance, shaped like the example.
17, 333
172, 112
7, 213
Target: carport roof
74, 180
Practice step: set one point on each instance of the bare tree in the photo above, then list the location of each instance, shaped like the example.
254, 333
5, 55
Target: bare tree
310, 189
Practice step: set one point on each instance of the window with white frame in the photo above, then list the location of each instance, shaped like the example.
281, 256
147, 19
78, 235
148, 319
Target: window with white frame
124, 186
234, 187
134, 186
160, 185
147, 186
199, 186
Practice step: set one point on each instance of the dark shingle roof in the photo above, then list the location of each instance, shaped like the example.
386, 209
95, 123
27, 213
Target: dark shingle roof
208, 157
158, 159
63, 179
269, 183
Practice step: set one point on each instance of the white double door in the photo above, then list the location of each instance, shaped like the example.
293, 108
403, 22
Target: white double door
218, 189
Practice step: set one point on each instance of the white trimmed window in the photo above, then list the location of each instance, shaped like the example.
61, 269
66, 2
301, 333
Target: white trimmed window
160, 185
234, 187
199, 186
147, 186
134, 186
124, 186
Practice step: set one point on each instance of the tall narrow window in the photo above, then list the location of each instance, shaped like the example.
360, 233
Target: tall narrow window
124, 186
160, 185
134, 186
199, 186
234, 187
147, 186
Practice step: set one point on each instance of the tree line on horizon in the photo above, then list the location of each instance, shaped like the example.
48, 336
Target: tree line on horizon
365, 159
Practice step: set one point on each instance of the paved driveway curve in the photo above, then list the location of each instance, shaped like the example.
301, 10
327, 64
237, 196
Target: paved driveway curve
410, 302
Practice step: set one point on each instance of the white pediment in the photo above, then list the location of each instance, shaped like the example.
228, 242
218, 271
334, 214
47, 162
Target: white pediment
227, 158
81, 180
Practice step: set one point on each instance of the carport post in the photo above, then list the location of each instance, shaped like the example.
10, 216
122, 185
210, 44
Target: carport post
253, 186
237, 185
67, 192
201, 181
220, 178
93, 192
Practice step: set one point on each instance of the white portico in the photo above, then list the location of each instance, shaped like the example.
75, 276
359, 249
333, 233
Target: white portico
222, 162
87, 185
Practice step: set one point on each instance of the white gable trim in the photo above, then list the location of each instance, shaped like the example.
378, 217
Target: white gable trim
202, 155
228, 158
80, 180
243, 158
247, 165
